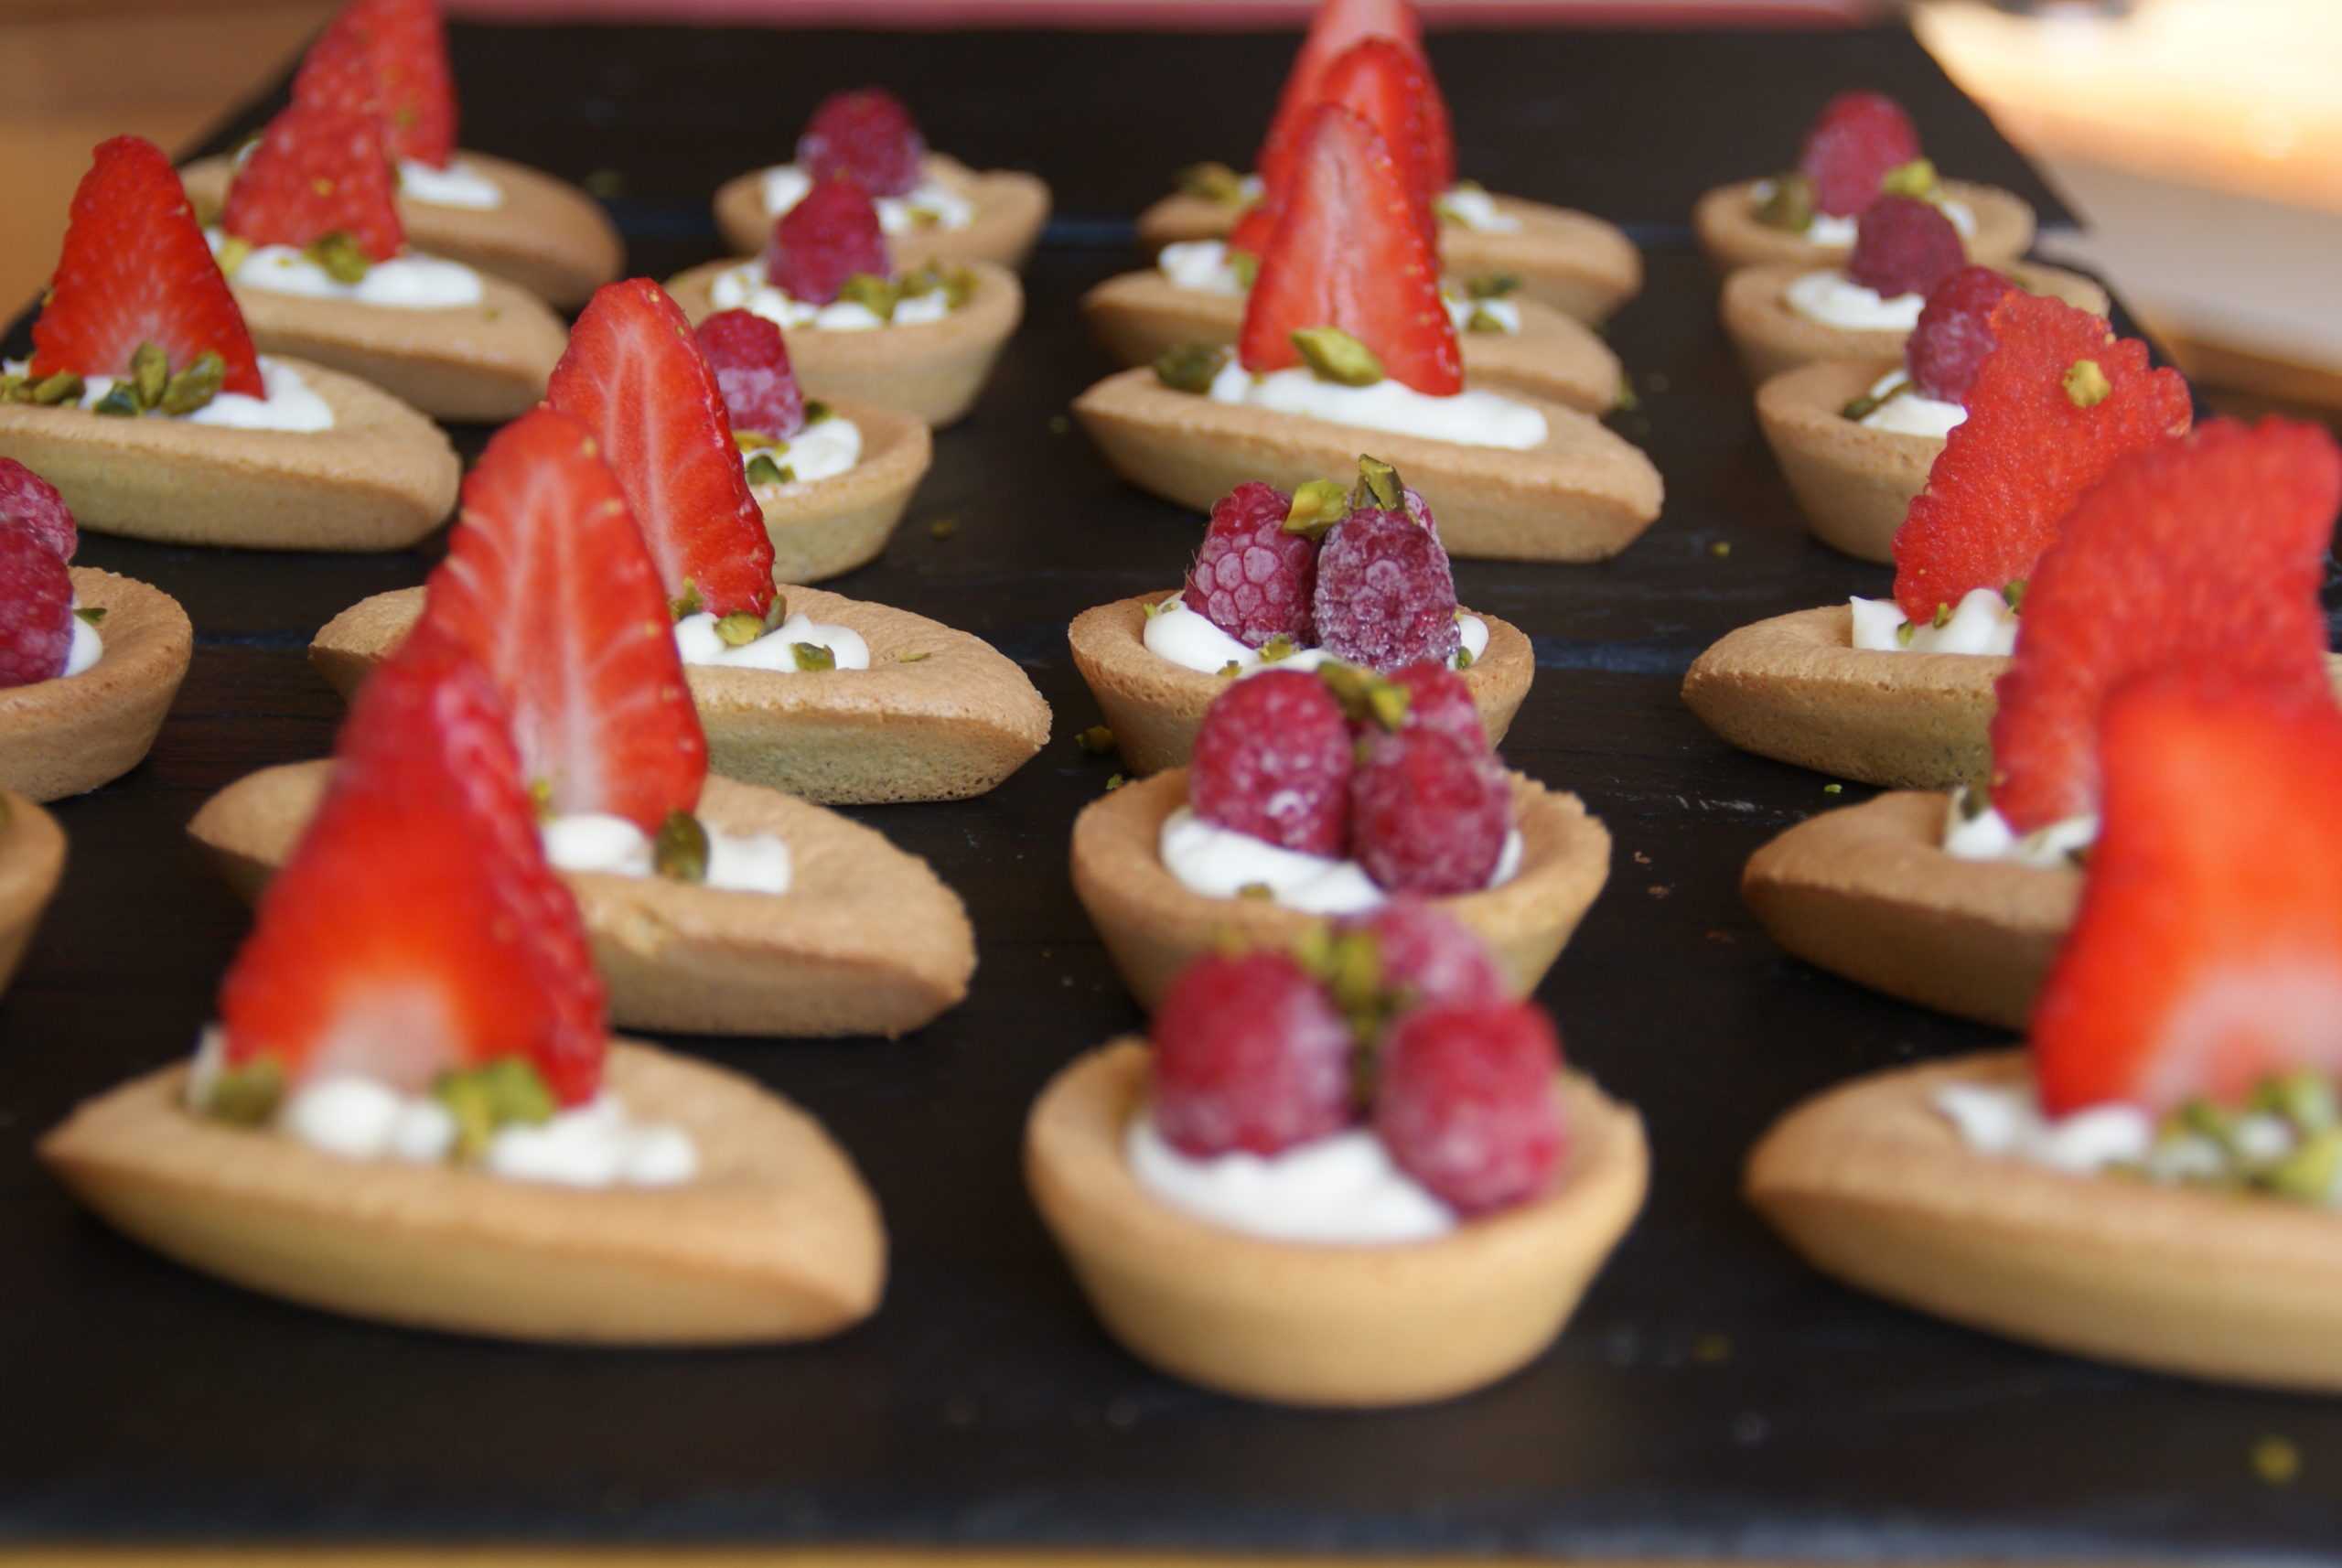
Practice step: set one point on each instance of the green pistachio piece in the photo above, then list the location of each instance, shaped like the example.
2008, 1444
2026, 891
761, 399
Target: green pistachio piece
62, 387
247, 1095
875, 294
680, 852
1230, 670
1377, 484
1364, 697
763, 470
150, 373
195, 386
1790, 206
1463, 660
2305, 1099
943, 528
1212, 181
119, 402
817, 410
1833, 788
1627, 401
15, 388
924, 217
1863, 407
1916, 179
1485, 321
1943, 614
958, 286
1318, 505
516, 1092
93, 615
740, 628
470, 1102
1097, 740
1259, 892
910, 657
812, 656
1246, 267
1116, 782
777, 611
1721, 549
2012, 595
231, 256
687, 602
1191, 366
338, 253
1491, 285
2206, 1120
1906, 632
751, 441
1278, 650
541, 797
921, 282
1152, 607
2308, 1172
2086, 384
1333, 355
1973, 800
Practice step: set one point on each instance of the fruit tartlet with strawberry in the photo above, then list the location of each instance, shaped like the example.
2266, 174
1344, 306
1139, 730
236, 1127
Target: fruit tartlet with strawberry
145, 404
2154, 1179
1570, 260
2214, 547
387, 59
1327, 792
932, 208
824, 697
410, 1109
1348, 573
1344, 332
1861, 147
1350, 1173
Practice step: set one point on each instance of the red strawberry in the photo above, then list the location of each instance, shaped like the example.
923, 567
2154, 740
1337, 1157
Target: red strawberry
1252, 579
751, 359
547, 583
633, 377
387, 59
1854, 141
1948, 347
1347, 252
1466, 1102
866, 135
28, 499
416, 927
2202, 553
317, 171
1339, 26
1250, 1054
824, 240
1438, 699
1428, 814
135, 269
1904, 245
1273, 759
35, 608
2010, 471
2207, 954
1387, 84
1257, 227
1429, 959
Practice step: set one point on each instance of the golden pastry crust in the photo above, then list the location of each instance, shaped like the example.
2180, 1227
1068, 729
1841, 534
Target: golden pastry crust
1011, 210
70, 735
549, 237
1852, 482
1154, 925
381, 478
1320, 1325
929, 370
1154, 706
1771, 338
825, 527
1868, 892
1584, 495
1136, 317
865, 941
1876, 1188
32, 860
1724, 219
777, 1238
939, 715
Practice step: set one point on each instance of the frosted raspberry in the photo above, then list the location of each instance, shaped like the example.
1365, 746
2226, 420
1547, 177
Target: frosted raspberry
26, 497
866, 135
1252, 579
1273, 759
1251, 1054
1954, 334
1428, 815
1438, 699
1466, 1102
1386, 596
1429, 959
36, 608
824, 240
1904, 245
751, 359
1854, 141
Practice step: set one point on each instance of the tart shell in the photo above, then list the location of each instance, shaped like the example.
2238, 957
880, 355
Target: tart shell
32, 861
825, 527
70, 735
1771, 338
1724, 219
1852, 482
1011, 210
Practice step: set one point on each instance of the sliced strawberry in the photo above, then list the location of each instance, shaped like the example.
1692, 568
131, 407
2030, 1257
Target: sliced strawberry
135, 269
634, 376
317, 172
387, 59
1258, 226
1339, 25
1387, 84
416, 927
546, 581
1348, 252
2010, 471
2202, 553
2207, 954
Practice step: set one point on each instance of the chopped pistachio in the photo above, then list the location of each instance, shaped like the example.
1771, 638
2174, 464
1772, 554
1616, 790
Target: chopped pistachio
1943, 614
93, 615
1916, 178
1972, 800
763, 470
1463, 660
2086, 384
119, 402
541, 797
1491, 285
688, 602
1259, 892
1484, 321
247, 1095
1116, 782
2305, 1099
2012, 595
195, 386
1097, 740
483, 1099
1863, 407
817, 410
604, 183
924, 217
1212, 181
1364, 697
875, 294
1721, 549
740, 628
1230, 670
1153, 608
1627, 400
1060, 424
338, 253
2276, 1461
943, 528
680, 852
1191, 366
150, 374
1318, 505
1790, 207
62, 387
812, 656
1278, 650
749, 441
1833, 788
1333, 355
2206, 1120
913, 656
1246, 267
2309, 1171
958, 286
15, 388
777, 611
1377, 484
1906, 632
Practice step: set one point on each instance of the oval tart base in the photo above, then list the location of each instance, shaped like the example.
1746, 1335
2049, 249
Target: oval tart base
1354, 1326
1154, 925
1771, 338
1876, 1188
1154, 706
939, 715
32, 859
68, 736
825, 527
1854, 483
777, 1238
1724, 219
1584, 495
1011, 210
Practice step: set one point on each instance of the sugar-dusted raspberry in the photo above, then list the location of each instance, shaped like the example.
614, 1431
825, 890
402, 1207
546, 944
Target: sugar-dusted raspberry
866, 135
36, 608
1428, 815
1438, 699
751, 359
1250, 1054
1386, 596
1273, 759
1955, 332
1466, 1102
824, 240
1252, 579
1904, 245
26, 497
1854, 141
1429, 959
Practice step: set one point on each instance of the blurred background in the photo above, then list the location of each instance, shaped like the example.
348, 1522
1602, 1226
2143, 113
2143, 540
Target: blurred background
2200, 139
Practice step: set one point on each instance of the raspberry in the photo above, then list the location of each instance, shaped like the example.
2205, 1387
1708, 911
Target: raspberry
1466, 1102
27, 499
1386, 596
1273, 759
1252, 579
36, 608
1948, 347
1437, 699
1854, 141
1904, 245
1428, 816
751, 359
866, 135
1429, 960
824, 240
1250, 1054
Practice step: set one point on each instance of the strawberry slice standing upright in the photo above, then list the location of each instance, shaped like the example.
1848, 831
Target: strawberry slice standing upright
1337, 27
1388, 84
317, 171
387, 59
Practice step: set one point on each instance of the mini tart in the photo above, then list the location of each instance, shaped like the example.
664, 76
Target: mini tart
865, 941
380, 479
1138, 316
1868, 892
777, 1238
822, 528
548, 236
1317, 1324
1725, 221
1852, 482
1584, 495
32, 859
70, 735
929, 370
1771, 338
1154, 706
1011, 208
476, 362
939, 715
1876, 1188
1573, 261
1154, 925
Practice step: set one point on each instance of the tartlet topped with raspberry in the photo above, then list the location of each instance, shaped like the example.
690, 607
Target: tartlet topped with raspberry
1351, 1173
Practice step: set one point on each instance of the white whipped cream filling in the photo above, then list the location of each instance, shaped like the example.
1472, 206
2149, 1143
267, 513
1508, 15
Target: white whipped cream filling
1220, 862
1200, 265
1980, 623
1471, 418
1988, 836
1341, 1190
1836, 300
1462, 308
1911, 413
2006, 1119
1188, 638
744, 289
458, 185
289, 403
820, 451
1838, 233
87, 650
697, 642
927, 205
411, 282
1469, 207
597, 840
